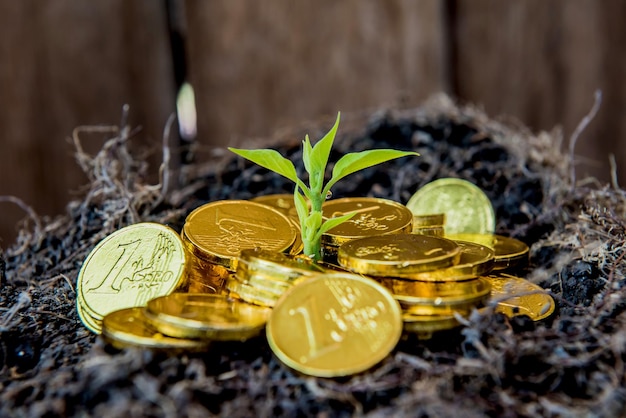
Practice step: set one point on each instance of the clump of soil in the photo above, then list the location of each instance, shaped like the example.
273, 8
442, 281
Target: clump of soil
572, 365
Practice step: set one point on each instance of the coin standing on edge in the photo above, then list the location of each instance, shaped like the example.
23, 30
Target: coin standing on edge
128, 268
466, 207
334, 324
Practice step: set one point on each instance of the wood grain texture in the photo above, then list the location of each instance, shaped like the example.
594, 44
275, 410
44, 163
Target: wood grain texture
69, 63
257, 66
540, 62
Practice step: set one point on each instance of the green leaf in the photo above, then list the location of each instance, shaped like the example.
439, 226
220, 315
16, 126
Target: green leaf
270, 159
356, 161
307, 149
321, 152
313, 221
333, 222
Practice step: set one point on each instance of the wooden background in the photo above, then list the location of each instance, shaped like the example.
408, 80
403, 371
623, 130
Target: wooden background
258, 67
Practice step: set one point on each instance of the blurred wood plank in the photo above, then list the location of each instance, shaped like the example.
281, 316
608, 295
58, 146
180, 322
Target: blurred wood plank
69, 63
259, 66
541, 61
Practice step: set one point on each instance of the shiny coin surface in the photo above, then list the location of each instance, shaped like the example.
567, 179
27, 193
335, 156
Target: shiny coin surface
219, 230
129, 328
476, 260
284, 203
206, 316
278, 266
422, 221
466, 207
397, 254
410, 292
425, 325
509, 253
261, 296
130, 267
372, 217
334, 324
203, 276
516, 296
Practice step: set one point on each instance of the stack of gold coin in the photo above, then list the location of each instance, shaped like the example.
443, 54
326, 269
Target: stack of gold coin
263, 276
429, 224
127, 269
431, 277
372, 217
216, 233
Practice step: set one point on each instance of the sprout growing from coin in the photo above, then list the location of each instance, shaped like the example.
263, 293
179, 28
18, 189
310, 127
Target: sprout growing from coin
308, 200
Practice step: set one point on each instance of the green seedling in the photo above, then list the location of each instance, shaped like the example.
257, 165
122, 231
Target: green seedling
308, 200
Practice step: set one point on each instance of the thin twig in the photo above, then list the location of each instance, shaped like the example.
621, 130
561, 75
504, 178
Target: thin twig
579, 129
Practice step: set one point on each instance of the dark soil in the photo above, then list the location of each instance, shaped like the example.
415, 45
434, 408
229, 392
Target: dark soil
571, 365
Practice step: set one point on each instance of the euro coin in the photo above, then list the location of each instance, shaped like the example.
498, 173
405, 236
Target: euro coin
92, 324
203, 276
466, 207
372, 216
422, 221
251, 294
334, 324
411, 292
279, 266
475, 260
397, 254
206, 316
130, 267
129, 328
284, 203
425, 325
219, 230
509, 253
516, 296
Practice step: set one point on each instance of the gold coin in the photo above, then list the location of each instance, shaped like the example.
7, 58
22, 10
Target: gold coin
509, 253
434, 231
397, 254
206, 316
334, 324
411, 292
130, 267
373, 217
220, 230
517, 296
423, 221
280, 266
130, 328
251, 294
284, 203
92, 324
476, 260
203, 276
425, 325
466, 207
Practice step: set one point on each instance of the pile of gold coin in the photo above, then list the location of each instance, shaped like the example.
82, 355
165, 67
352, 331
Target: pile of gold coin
236, 269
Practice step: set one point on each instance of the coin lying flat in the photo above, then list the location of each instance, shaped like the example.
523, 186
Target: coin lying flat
509, 253
262, 296
130, 267
466, 207
517, 296
206, 316
129, 328
219, 230
476, 260
284, 203
372, 217
411, 292
397, 254
334, 324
